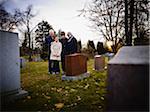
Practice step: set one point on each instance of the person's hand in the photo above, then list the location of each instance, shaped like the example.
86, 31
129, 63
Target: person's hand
56, 55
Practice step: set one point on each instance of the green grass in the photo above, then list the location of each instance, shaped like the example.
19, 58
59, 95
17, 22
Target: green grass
47, 90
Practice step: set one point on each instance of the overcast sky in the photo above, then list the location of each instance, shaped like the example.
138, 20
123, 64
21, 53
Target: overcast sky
61, 14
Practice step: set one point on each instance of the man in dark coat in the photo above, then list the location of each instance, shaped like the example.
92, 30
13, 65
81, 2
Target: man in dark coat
71, 44
48, 41
63, 41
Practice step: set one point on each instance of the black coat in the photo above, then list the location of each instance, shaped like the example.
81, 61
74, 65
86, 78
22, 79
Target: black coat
71, 45
64, 47
48, 41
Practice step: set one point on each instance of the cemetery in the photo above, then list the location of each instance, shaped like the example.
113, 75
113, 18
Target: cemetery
66, 67
30, 88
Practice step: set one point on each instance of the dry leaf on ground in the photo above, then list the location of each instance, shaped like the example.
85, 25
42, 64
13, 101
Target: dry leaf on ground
59, 90
47, 97
86, 86
59, 105
78, 98
28, 97
73, 90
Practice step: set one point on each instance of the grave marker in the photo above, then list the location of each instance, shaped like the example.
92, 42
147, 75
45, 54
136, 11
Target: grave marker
128, 79
99, 62
75, 66
10, 88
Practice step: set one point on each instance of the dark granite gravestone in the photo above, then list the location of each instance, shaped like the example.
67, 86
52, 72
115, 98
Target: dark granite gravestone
10, 87
76, 64
128, 80
99, 62
100, 48
76, 67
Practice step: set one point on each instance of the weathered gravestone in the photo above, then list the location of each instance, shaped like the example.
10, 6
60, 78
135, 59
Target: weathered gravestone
75, 66
10, 88
22, 62
99, 62
128, 80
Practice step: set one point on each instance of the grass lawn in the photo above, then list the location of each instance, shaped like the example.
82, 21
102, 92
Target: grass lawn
50, 93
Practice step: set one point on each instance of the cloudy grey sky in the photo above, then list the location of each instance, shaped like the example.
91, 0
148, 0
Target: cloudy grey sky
61, 14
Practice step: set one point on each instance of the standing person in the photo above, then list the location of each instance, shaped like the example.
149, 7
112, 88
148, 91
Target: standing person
48, 41
71, 44
63, 41
55, 56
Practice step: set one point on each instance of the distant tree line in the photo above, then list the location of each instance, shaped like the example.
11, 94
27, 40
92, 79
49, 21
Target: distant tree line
99, 49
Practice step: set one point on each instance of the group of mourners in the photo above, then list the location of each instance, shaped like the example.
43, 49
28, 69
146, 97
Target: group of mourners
58, 48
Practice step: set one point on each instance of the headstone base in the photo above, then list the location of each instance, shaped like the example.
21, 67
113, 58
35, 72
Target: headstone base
12, 96
78, 77
99, 70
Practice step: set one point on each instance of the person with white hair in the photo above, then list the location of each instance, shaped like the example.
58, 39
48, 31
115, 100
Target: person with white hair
71, 44
55, 56
48, 41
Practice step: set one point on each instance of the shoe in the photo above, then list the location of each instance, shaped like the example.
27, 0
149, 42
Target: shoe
53, 73
63, 73
49, 72
57, 73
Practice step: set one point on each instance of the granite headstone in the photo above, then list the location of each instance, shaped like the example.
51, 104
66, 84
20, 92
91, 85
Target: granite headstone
76, 67
99, 62
128, 80
10, 87
76, 64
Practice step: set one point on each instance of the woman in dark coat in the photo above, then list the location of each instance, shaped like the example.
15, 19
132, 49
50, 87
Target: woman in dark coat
63, 41
71, 44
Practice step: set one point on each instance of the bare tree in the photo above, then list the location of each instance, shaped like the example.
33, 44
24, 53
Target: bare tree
136, 20
141, 20
28, 15
9, 21
107, 18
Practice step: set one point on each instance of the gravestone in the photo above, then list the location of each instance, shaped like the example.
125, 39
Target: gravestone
109, 55
22, 62
99, 62
37, 59
128, 79
100, 48
75, 66
10, 88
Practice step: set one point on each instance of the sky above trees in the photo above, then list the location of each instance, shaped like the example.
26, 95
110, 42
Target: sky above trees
61, 14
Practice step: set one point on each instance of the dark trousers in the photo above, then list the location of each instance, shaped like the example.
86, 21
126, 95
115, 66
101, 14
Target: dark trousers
55, 66
63, 63
50, 66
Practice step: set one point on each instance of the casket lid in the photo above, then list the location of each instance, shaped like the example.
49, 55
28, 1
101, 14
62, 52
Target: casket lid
131, 55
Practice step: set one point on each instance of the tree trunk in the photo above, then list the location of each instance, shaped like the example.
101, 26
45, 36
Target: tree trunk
136, 22
29, 36
126, 22
30, 54
131, 21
